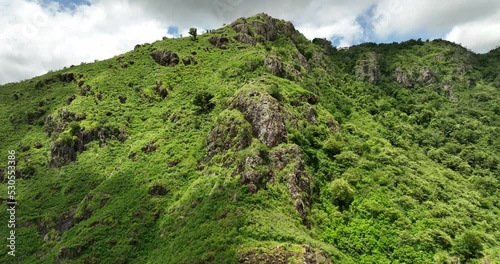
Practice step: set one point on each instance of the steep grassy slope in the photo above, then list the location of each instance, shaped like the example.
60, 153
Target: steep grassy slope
258, 146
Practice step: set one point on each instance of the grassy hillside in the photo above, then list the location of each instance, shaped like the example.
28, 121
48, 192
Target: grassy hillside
255, 145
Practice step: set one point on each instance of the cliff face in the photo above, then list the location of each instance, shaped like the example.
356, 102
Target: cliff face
261, 146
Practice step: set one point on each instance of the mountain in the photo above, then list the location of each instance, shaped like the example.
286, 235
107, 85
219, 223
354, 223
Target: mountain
253, 144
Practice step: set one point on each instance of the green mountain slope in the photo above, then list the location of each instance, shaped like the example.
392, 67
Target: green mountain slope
252, 144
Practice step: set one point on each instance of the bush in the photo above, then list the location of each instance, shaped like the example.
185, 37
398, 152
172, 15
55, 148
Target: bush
332, 147
342, 193
203, 101
469, 246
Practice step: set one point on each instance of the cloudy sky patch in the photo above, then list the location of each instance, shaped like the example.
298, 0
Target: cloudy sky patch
41, 35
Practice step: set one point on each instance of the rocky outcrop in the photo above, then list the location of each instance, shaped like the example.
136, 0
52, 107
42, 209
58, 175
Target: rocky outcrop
261, 28
265, 26
427, 77
165, 58
403, 78
85, 89
232, 132
65, 148
274, 66
281, 164
292, 74
245, 38
219, 42
289, 162
189, 61
300, 59
252, 171
368, 69
62, 153
67, 77
160, 90
265, 115
157, 190
448, 91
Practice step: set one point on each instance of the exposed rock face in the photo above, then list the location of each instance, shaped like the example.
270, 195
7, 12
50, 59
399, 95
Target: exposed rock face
470, 83
266, 27
265, 115
252, 171
311, 116
165, 58
368, 69
427, 76
67, 77
448, 91
298, 182
302, 61
219, 42
402, 78
65, 151
189, 60
245, 38
84, 90
291, 73
262, 28
157, 190
62, 153
274, 66
232, 132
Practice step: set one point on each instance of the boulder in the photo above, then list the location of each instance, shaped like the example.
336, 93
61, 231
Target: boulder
165, 58
67, 77
219, 42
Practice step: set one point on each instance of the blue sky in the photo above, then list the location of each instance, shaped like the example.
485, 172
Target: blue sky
45, 30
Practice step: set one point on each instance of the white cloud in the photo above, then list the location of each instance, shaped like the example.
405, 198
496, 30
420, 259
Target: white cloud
405, 17
347, 29
480, 36
36, 40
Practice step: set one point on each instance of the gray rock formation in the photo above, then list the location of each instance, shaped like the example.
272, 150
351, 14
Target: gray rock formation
368, 69
427, 77
274, 66
265, 115
219, 42
403, 78
165, 58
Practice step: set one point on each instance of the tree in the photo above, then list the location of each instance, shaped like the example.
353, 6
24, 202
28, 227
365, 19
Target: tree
469, 245
193, 32
342, 193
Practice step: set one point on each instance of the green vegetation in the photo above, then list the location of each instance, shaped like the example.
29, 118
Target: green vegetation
270, 147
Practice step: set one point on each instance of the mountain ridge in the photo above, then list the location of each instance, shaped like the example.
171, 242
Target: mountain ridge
252, 144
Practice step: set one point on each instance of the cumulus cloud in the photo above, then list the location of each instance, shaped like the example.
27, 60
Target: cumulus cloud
480, 36
42, 35
405, 17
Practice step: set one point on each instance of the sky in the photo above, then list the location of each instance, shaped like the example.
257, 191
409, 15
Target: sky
37, 36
